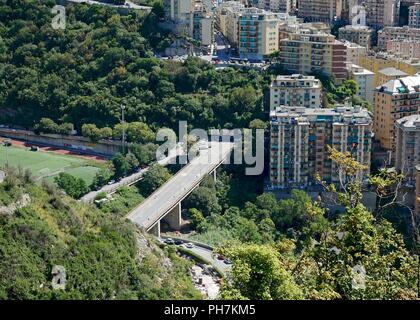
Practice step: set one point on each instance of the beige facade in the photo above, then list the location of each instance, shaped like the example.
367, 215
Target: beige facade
356, 34
258, 33
192, 18
404, 48
320, 10
387, 74
394, 100
277, 5
397, 33
354, 51
299, 140
295, 90
310, 51
227, 15
382, 13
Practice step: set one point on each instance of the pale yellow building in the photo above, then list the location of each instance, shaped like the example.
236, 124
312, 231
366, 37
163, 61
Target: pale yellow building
377, 62
394, 100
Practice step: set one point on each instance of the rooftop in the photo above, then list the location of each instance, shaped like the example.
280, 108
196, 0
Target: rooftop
410, 122
295, 78
393, 72
410, 84
339, 114
358, 70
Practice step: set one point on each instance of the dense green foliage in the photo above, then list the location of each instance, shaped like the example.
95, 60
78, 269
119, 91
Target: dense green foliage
294, 248
74, 187
153, 179
103, 255
81, 75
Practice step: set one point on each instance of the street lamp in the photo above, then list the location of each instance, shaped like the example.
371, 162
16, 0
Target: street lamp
123, 128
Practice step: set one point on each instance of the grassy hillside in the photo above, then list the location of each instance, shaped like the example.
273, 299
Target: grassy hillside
104, 256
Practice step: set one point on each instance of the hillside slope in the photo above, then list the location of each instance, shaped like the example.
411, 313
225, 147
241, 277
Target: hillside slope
104, 256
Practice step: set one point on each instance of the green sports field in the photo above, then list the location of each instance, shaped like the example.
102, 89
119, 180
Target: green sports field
48, 164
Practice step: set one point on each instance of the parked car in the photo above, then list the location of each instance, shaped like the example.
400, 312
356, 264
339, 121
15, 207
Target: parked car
111, 182
178, 242
221, 257
189, 245
227, 261
169, 241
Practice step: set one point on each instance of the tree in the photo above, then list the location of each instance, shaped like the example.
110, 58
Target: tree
145, 153
92, 132
65, 128
358, 244
258, 124
105, 133
101, 178
140, 132
46, 125
121, 165
205, 200
74, 187
258, 274
197, 218
153, 179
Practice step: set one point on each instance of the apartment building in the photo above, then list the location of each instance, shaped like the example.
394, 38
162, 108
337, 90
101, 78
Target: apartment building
309, 51
360, 35
382, 13
353, 52
397, 33
277, 5
366, 81
295, 90
387, 74
394, 100
407, 146
226, 19
408, 49
417, 206
258, 34
299, 140
292, 25
320, 10
178, 10
378, 61
192, 18
414, 16
202, 24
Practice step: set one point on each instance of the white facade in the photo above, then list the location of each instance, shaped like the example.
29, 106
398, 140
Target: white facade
296, 90
366, 81
354, 52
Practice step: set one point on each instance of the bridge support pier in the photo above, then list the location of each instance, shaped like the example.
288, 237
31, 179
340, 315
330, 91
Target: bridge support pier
173, 218
214, 175
155, 230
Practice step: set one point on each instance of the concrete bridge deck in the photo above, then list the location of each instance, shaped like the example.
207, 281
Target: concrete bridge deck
166, 201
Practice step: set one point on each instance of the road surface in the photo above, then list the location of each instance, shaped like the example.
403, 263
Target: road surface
206, 254
179, 186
